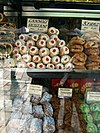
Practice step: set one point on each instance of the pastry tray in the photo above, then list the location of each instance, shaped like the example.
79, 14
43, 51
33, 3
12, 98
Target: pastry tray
56, 73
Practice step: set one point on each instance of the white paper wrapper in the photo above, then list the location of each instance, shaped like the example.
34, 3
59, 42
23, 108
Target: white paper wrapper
36, 126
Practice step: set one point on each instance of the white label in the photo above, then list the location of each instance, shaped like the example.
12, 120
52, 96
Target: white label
64, 92
37, 25
35, 89
88, 25
93, 96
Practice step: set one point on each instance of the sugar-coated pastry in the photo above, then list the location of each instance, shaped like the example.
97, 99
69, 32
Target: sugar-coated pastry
43, 51
18, 57
40, 66
55, 59
26, 57
15, 50
46, 59
23, 37
64, 50
57, 32
33, 50
21, 64
18, 43
41, 43
23, 49
65, 59
69, 66
59, 66
52, 31
35, 37
60, 43
54, 37
50, 66
54, 51
30, 43
44, 36
31, 65
36, 59
51, 43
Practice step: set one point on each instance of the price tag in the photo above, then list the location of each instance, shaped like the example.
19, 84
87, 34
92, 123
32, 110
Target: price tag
37, 25
93, 96
89, 25
35, 89
64, 92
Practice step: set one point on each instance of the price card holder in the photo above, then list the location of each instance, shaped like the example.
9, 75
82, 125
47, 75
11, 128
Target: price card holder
93, 97
37, 25
90, 25
34, 89
64, 92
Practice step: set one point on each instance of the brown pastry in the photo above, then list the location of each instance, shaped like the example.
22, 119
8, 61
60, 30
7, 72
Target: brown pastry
77, 62
91, 44
77, 40
95, 58
80, 56
93, 51
80, 67
92, 64
76, 48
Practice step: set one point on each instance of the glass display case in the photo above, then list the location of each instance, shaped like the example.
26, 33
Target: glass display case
50, 67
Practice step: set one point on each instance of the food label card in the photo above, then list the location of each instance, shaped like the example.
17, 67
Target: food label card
89, 25
35, 89
37, 25
93, 96
64, 92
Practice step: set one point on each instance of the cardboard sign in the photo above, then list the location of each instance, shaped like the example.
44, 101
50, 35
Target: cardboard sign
64, 92
93, 96
37, 25
35, 89
89, 25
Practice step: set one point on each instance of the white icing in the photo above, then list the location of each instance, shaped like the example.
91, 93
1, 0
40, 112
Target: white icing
18, 57
65, 59
60, 43
18, 43
54, 51
44, 51
52, 30
51, 43
50, 66
36, 59
33, 50
60, 66
26, 57
23, 49
31, 65
40, 66
35, 37
41, 43
46, 59
55, 59
64, 50
30, 43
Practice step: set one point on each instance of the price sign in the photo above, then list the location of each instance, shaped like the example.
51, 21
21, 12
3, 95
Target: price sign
89, 25
37, 25
35, 89
93, 96
64, 92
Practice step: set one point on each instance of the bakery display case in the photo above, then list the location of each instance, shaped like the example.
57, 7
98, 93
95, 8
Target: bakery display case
50, 66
